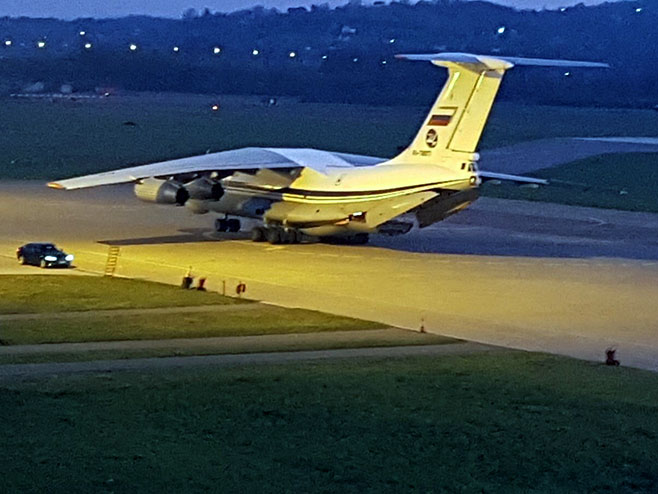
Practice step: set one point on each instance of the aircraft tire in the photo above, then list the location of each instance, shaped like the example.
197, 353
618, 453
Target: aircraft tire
258, 234
288, 237
233, 225
221, 225
274, 235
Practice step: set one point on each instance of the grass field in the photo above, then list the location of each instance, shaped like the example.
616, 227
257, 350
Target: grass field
503, 422
53, 294
317, 341
33, 294
264, 319
48, 140
636, 174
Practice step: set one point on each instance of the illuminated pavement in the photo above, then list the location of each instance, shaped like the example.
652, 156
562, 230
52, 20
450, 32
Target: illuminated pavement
533, 276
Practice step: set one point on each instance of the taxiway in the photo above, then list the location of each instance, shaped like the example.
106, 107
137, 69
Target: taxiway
533, 276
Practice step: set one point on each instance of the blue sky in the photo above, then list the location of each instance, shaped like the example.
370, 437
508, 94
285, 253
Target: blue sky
68, 9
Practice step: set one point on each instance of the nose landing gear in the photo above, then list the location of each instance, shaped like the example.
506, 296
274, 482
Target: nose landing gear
226, 225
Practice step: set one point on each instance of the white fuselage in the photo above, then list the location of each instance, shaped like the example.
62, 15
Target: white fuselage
343, 200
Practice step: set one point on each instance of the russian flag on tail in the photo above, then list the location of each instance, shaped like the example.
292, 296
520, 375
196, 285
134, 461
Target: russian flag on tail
442, 118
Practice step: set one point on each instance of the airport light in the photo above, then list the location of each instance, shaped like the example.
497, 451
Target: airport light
41, 44
501, 30
567, 74
176, 49
355, 59
563, 9
214, 107
255, 52
391, 41
292, 54
324, 57
638, 10
133, 47
82, 33
88, 46
384, 62
8, 42
216, 50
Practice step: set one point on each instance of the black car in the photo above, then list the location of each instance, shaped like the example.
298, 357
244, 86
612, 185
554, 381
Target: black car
44, 255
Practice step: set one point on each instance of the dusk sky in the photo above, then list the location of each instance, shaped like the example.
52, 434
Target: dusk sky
68, 9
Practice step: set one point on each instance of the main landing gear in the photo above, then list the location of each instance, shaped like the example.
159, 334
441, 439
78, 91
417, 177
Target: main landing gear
226, 225
276, 235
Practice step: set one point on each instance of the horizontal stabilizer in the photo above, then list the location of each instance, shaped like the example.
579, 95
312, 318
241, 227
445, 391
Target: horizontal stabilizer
496, 62
512, 178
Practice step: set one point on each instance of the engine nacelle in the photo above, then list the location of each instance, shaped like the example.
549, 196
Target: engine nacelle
197, 206
161, 191
204, 189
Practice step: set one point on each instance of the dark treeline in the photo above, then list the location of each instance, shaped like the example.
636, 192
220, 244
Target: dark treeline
343, 54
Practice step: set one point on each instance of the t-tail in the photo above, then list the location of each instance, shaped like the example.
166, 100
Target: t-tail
452, 129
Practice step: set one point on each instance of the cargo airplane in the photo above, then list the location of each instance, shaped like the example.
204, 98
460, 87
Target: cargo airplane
297, 192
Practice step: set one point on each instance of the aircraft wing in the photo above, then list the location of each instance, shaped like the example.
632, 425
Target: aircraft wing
225, 161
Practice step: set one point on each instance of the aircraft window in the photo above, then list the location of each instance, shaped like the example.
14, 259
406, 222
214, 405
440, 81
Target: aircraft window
470, 167
463, 166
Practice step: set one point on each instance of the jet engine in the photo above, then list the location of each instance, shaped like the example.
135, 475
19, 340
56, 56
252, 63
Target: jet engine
204, 189
161, 191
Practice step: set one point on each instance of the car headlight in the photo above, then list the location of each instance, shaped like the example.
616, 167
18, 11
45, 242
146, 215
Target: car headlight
50, 258
69, 257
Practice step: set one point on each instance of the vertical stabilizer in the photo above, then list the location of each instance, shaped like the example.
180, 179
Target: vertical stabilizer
452, 129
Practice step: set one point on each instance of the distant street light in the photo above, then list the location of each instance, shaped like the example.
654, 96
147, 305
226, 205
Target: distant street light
216, 50
176, 49
82, 33
501, 29
8, 42
391, 41
292, 54
133, 47
255, 52
87, 46
324, 57
41, 44
638, 10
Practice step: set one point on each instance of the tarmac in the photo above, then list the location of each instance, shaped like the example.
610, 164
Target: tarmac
543, 277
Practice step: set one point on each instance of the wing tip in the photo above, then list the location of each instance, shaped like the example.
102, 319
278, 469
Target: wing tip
55, 185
